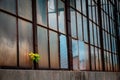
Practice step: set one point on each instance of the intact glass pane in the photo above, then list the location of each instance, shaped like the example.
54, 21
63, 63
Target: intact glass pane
83, 56
95, 34
54, 55
116, 62
108, 60
63, 52
109, 42
52, 11
75, 54
90, 9
8, 5
61, 16
84, 7
85, 29
25, 43
25, 9
96, 14
105, 60
103, 20
78, 5
97, 58
87, 57
73, 23
8, 51
91, 32
42, 12
43, 47
100, 60
98, 36
95, 20
72, 3
92, 58
80, 27
113, 61
106, 40
93, 12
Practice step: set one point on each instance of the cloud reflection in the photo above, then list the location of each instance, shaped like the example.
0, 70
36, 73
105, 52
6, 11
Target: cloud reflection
8, 40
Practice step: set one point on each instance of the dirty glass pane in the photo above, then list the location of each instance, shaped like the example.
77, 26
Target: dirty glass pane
54, 56
78, 5
25, 43
95, 34
8, 5
105, 60
84, 7
52, 14
61, 16
97, 58
25, 9
111, 61
80, 27
90, 9
83, 56
43, 47
8, 51
93, 12
72, 3
100, 60
92, 58
73, 23
91, 32
75, 54
63, 52
108, 60
85, 29
42, 12
98, 35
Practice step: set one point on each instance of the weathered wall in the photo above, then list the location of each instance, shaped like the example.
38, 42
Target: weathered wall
56, 75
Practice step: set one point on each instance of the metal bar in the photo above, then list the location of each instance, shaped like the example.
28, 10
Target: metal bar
101, 37
117, 32
58, 33
88, 29
68, 31
34, 18
48, 35
17, 31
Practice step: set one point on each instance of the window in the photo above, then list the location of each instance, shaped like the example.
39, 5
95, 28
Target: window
63, 33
